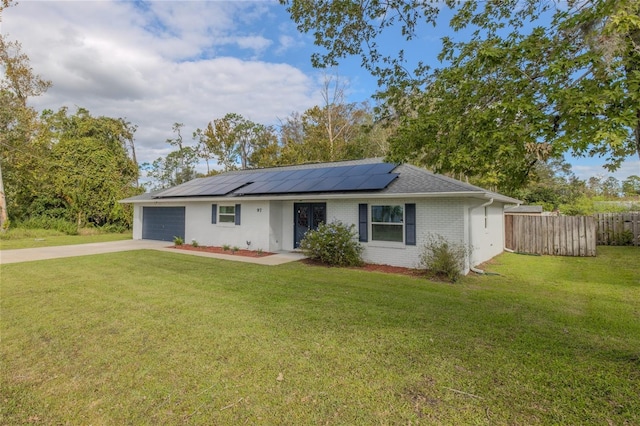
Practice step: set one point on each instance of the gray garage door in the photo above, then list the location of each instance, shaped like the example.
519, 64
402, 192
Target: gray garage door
162, 223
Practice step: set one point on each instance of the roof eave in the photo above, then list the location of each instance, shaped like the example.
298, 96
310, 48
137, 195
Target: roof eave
332, 196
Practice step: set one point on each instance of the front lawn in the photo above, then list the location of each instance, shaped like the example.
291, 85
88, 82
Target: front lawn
32, 238
149, 337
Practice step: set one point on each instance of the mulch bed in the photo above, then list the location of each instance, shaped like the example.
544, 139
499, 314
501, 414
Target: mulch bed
220, 250
388, 269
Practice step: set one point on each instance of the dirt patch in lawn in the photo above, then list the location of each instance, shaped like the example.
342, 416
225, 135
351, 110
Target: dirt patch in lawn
220, 250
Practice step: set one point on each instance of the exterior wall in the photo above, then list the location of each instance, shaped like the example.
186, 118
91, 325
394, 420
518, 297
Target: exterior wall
269, 225
487, 232
442, 216
137, 222
254, 225
275, 226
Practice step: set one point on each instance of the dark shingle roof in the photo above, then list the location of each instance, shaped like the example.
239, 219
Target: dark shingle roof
411, 180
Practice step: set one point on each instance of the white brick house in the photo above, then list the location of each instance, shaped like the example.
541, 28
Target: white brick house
395, 209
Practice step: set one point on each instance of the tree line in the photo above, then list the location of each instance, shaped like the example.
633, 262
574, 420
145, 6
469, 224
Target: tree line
534, 81
334, 131
520, 82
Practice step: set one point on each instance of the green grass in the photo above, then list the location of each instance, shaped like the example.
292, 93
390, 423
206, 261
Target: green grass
152, 337
31, 238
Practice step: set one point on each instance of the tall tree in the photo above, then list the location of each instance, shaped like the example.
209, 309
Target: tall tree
336, 130
179, 166
631, 186
552, 183
535, 80
238, 142
17, 120
90, 169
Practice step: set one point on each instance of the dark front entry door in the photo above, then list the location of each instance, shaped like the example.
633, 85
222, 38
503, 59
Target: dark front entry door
307, 216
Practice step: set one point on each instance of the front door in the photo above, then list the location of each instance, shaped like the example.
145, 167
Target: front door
307, 216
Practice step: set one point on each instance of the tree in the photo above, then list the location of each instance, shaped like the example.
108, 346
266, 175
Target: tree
236, 141
335, 131
17, 120
535, 80
631, 186
88, 169
611, 187
552, 183
601, 185
177, 167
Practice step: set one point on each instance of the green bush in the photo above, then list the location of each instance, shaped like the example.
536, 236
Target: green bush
582, 206
178, 241
334, 244
44, 222
443, 258
115, 228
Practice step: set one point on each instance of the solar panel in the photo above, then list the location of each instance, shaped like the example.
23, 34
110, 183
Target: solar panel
283, 186
258, 187
338, 171
378, 181
382, 168
350, 182
319, 179
307, 185
317, 173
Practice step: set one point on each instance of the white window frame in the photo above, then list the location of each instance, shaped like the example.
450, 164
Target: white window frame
400, 224
222, 212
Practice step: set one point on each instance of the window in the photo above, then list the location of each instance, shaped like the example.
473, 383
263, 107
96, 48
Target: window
387, 223
486, 217
227, 214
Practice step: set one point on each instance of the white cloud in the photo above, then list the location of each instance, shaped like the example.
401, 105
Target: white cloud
157, 63
586, 168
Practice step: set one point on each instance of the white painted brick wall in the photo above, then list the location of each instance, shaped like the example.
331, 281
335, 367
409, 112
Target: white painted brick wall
443, 216
269, 226
254, 225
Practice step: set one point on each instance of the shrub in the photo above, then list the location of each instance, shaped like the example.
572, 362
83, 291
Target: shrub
582, 206
226, 247
334, 244
194, 243
116, 228
44, 222
443, 258
178, 241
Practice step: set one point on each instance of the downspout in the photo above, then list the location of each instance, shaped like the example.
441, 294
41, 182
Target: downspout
471, 268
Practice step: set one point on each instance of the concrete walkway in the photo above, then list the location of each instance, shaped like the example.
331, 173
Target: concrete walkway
43, 253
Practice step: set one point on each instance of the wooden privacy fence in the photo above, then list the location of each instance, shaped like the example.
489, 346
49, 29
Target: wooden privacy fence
554, 235
618, 229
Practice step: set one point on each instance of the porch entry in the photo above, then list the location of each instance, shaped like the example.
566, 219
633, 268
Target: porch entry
307, 216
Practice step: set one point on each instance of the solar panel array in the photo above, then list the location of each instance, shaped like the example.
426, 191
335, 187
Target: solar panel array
360, 177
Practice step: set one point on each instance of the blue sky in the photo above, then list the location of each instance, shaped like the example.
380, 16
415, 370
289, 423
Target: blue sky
160, 62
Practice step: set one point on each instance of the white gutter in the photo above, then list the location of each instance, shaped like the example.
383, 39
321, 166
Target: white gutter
469, 259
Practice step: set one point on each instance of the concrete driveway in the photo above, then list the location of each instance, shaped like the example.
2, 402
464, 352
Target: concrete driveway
43, 253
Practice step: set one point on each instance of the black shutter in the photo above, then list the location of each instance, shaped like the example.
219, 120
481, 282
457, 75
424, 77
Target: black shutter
363, 225
410, 224
214, 213
237, 214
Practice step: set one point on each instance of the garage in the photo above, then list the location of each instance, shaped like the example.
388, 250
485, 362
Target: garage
162, 223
